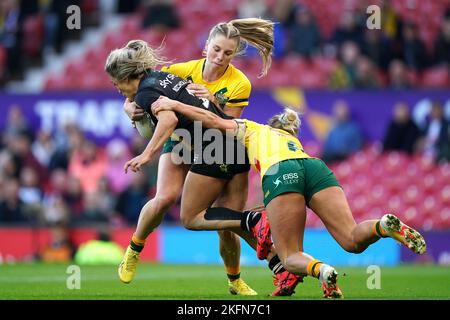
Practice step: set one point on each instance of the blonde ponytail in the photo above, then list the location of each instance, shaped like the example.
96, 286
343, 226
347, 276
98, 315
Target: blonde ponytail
133, 60
288, 121
254, 31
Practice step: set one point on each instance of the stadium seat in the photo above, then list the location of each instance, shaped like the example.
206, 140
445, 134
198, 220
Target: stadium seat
443, 218
444, 195
412, 217
438, 77
396, 205
358, 161
53, 82
378, 195
33, 35
393, 161
132, 26
429, 183
3, 57
424, 163
412, 195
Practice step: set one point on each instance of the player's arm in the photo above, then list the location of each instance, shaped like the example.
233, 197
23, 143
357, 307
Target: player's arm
201, 91
208, 119
238, 99
235, 112
132, 110
167, 122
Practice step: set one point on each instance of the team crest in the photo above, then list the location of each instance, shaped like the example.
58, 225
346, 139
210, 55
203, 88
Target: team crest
221, 99
223, 167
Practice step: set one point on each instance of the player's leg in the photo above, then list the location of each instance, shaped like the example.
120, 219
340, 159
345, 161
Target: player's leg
329, 202
287, 216
233, 197
199, 193
331, 206
169, 184
168, 188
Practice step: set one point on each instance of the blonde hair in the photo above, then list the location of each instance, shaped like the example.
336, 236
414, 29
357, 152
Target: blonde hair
133, 60
254, 31
288, 121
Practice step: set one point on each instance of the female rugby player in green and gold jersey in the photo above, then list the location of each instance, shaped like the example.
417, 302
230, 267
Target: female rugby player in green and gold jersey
291, 181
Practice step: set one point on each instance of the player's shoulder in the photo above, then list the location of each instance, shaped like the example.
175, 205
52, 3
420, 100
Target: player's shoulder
250, 124
182, 66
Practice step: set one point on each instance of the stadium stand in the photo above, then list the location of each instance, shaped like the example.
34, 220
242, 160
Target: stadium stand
314, 70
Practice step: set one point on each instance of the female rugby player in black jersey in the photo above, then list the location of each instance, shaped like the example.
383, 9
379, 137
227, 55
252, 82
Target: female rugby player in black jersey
131, 69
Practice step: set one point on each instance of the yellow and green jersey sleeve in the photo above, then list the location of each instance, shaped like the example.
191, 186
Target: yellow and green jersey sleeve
232, 89
267, 146
183, 70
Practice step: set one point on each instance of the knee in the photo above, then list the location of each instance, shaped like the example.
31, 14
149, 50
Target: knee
165, 201
188, 223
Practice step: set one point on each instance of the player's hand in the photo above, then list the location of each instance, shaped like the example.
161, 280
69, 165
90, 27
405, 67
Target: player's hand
136, 163
163, 104
200, 91
133, 111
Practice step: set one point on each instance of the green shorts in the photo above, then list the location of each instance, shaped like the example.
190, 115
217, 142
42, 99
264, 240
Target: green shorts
169, 145
305, 176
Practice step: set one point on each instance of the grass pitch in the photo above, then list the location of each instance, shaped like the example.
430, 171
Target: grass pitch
38, 281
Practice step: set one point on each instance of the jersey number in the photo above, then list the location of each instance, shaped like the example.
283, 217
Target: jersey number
292, 146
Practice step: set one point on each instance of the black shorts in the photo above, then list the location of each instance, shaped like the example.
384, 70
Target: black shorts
220, 171
234, 160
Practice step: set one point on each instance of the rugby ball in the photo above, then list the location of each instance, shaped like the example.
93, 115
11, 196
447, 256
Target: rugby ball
145, 127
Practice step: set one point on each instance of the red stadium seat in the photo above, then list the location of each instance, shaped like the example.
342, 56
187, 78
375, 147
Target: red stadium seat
412, 217
378, 195
53, 82
412, 195
3, 57
394, 161
424, 163
444, 195
132, 26
443, 218
33, 35
429, 183
396, 205
152, 37
438, 77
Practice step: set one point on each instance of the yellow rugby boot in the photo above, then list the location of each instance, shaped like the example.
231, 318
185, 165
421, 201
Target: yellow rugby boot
402, 233
127, 268
239, 287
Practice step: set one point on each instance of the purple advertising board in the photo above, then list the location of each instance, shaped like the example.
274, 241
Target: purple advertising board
100, 115
438, 249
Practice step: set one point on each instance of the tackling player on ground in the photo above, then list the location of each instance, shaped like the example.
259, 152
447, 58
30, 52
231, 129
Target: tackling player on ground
291, 181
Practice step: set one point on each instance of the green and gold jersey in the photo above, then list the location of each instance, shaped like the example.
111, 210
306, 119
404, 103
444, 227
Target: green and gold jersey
267, 146
232, 89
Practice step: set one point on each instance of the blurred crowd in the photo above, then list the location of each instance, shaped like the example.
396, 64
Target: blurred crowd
31, 28
429, 135
66, 179
394, 56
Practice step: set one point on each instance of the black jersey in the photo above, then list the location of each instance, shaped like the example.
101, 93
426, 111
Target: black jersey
158, 83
